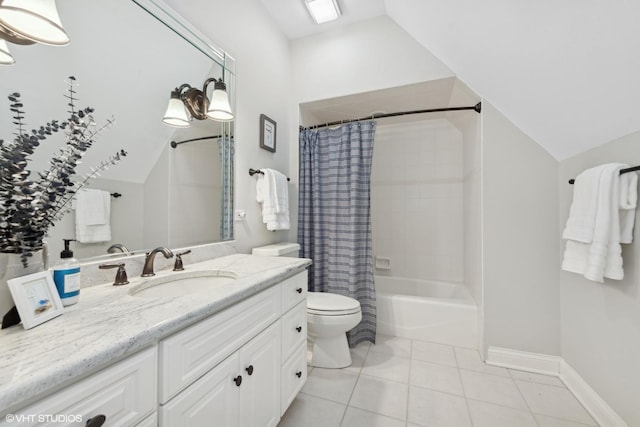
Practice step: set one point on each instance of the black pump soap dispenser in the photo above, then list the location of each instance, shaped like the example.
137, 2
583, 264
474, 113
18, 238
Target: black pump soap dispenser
66, 275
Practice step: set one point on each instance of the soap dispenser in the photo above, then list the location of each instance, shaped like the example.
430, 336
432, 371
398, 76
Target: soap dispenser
66, 275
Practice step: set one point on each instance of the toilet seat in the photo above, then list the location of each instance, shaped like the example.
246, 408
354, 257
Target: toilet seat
328, 304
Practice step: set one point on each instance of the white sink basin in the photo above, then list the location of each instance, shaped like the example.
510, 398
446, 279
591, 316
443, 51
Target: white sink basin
179, 284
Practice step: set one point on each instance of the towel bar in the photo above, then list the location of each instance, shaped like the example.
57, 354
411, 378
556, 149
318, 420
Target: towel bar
255, 171
631, 169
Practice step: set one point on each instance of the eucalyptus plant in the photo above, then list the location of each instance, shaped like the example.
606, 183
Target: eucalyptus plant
31, 203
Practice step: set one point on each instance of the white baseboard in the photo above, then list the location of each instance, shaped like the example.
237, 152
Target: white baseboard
601, 412
524, 361
597, 407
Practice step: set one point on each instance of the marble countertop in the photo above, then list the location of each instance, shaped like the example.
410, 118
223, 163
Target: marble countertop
108, 324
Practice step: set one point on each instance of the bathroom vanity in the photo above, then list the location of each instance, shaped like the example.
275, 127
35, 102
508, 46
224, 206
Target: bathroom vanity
232, 356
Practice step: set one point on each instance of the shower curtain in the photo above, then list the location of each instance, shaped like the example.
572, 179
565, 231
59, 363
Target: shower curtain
334, 223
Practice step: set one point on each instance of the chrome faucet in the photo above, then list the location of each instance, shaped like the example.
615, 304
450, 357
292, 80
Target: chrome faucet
147, 270
117, 247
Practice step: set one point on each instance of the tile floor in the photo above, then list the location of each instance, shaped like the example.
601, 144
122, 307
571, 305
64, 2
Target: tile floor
408, 383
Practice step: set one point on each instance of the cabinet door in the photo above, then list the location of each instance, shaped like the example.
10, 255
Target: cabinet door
213, 400
260, 390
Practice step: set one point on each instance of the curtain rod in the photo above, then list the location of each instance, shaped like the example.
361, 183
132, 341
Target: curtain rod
174, 144
622, 171
477, 108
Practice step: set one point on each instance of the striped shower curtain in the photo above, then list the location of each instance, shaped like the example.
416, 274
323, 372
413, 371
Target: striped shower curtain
334, 224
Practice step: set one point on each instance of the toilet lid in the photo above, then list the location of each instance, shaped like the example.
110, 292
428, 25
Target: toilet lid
331, 304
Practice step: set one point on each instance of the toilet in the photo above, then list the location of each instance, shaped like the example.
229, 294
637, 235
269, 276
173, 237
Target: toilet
329, 317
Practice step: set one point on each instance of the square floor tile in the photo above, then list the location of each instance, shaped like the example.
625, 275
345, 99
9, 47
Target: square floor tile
554, 401
489, 415
355, 417
380, 396
544, 421
470, 359
396, 346
492, 389
331, 384
433, 352
358, 356
386, 366
436, 377
434, 409
310, 411
536, 378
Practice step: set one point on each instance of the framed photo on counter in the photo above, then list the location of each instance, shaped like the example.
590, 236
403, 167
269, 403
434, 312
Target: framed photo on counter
36, 298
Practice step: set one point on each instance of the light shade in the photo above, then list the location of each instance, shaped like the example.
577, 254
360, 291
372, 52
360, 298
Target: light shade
5, 56
219, 107
323, 10
176, 114
36, 20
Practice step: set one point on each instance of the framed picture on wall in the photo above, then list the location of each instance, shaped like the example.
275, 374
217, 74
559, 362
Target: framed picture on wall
267, 133
36, 298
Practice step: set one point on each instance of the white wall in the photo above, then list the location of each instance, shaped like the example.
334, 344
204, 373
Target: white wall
263, 81
600, 335
416, 199
520, 239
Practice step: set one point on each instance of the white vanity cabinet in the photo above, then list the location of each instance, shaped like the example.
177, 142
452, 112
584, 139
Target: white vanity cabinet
240, 367
124, 393
228, 370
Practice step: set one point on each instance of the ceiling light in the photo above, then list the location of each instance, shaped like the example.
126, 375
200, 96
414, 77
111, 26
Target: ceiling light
323, 10
35, 20
5, 55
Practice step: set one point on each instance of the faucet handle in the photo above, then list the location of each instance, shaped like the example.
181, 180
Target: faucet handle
178, 266
121, 274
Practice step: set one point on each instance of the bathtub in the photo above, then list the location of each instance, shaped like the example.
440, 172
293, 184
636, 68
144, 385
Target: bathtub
433, 311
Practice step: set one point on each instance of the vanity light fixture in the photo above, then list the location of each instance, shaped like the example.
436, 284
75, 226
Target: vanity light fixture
5, 56
33, 20
323, 10
188, 102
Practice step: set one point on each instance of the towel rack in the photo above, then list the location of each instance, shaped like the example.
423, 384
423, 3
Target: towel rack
627, 170
116, 195
255, 171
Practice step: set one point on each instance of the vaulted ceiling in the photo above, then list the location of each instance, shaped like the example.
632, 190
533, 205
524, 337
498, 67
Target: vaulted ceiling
565, 72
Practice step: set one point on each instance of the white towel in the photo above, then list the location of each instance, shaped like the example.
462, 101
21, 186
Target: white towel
273, 192
93, 216
594, 250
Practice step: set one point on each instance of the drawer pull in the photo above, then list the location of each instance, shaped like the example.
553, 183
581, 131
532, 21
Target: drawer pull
238, 380
299, 329
299, 290
299, 374
96, 421
249, 370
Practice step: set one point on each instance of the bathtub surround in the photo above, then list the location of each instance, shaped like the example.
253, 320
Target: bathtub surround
417, 199
334, 227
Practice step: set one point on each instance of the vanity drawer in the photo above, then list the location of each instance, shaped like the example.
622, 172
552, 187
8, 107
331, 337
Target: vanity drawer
294, 329
187, 355
294, 290
294, 375
125, 393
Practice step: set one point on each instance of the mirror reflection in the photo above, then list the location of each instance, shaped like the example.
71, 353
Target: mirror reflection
126, 63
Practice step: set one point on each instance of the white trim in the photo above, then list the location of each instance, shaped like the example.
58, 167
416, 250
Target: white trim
601, 412
524, 361
597, 407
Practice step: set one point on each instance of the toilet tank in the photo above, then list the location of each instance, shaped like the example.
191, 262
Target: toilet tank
278, 249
